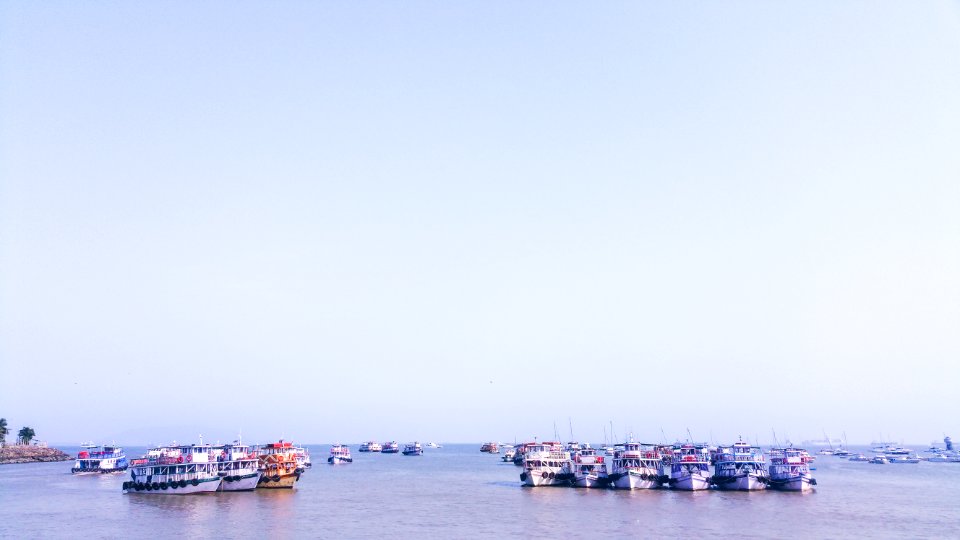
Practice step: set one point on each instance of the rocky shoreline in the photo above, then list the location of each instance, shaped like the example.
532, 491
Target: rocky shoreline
31, 454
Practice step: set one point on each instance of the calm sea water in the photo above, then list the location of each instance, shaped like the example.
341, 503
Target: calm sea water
457, 492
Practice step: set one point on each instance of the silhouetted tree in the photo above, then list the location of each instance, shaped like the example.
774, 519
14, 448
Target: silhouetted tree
26, 435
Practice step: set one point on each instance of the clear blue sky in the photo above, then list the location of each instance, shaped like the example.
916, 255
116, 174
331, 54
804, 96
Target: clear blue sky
460, 221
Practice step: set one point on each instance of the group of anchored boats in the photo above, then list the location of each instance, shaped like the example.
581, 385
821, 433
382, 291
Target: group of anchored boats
340, 453
682, 466
888, 452
199, 468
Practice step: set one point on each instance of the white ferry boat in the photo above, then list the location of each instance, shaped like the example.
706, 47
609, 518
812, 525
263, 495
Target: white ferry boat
174, 470
740, 467
370, 446
509, 455
413, 449
278, 465
589, 469
546, 464
904, 459
94, 459
790, 470
690, 467
391, 447
637, 466
238, 467
339, 453
303, 458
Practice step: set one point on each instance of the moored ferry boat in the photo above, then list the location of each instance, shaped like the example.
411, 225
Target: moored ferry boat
546, 464
637, 466
790, 469
278, 465
740, 467
303, 457
97, 459
391, 447
413, 449
371, 446
589, 469
490, 448
175, 470
238, 467
509, 455
339, 453
690, 467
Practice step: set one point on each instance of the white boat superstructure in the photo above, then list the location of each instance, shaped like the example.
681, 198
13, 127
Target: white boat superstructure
790, 469
303, 458
339, 453
96, 459
175, 470
637, 466
238, 466
546, 464
740, 467
371, 446
690, 467
589, 469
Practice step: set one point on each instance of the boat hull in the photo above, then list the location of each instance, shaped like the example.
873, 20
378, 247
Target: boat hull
636, 480
542, 479
285, 481
337, 460
690, 482
245, 482
591, 481
794, 483
742, 482
208, 485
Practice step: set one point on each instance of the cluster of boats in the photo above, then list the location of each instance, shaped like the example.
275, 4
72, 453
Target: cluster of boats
340, 453
200, 468
409, 449
892, 453
682, 466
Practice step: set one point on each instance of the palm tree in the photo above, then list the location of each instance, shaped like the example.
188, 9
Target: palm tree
26, 435
3, 431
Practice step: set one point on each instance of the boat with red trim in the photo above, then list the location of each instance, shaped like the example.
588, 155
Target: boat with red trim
690, 467
278, 465
546, 464
175, 470
637, 466
790, 470
96, 459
